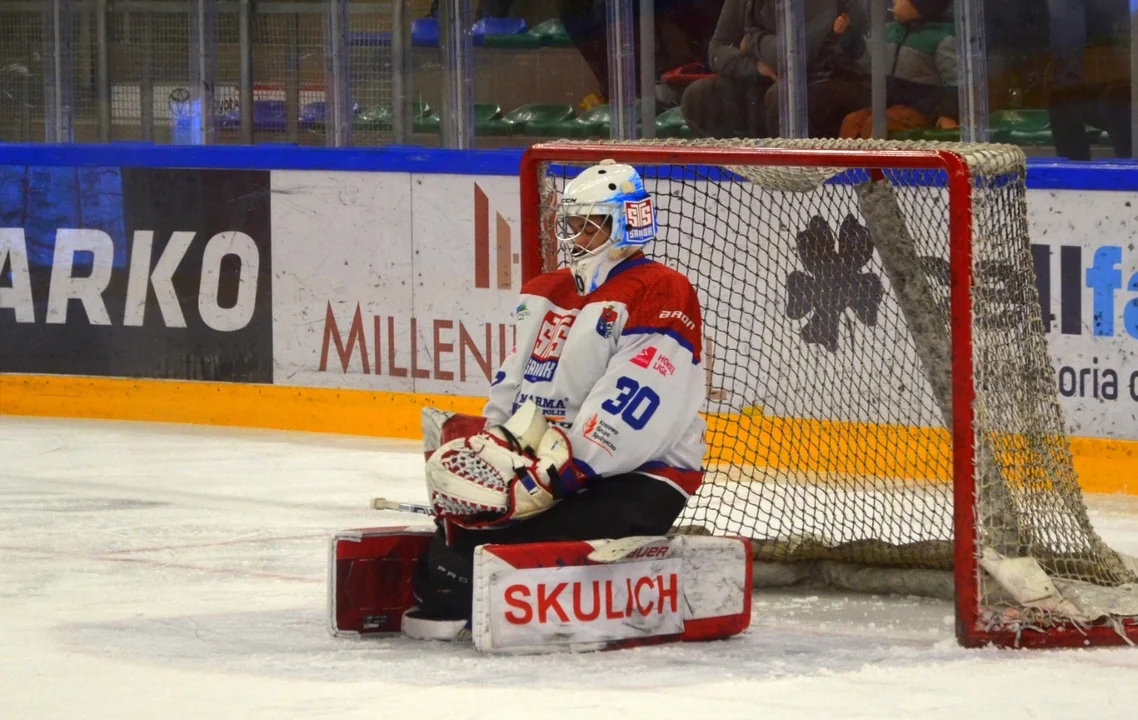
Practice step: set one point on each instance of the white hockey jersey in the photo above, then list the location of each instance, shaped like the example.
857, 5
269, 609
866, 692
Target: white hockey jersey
619, 368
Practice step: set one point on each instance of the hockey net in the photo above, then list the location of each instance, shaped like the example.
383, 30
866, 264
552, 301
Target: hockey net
875, 357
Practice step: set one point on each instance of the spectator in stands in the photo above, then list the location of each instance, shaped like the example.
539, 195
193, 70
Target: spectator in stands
683, 28
921, 79
743, 99
731, 103
1074, 102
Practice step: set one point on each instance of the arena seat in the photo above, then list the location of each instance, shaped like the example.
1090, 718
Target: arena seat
1028, 127
492, 27
672, 124
483, 113
314, 114
425, 32
381, 116
267, 115
594, 122
550, 33
518, 120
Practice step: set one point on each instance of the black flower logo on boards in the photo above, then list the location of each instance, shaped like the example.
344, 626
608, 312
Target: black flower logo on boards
833, 281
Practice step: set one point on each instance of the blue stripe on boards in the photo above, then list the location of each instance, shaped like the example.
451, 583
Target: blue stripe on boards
1042, 173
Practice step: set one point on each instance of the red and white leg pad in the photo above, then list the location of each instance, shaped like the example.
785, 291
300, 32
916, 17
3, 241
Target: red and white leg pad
549, 597
369, 578
579, 596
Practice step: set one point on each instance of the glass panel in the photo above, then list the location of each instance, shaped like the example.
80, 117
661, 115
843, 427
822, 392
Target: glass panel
21, 74
756, 47
1060, 76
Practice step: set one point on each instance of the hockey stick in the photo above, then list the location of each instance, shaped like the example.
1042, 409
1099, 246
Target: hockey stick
416, 508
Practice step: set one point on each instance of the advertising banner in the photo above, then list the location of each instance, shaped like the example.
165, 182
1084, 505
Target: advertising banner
1085, 252
394, 281
136, 273
409, 282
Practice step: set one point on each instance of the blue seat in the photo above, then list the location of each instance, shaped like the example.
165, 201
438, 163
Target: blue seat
315, 114
497, 26
425, 32
267, 115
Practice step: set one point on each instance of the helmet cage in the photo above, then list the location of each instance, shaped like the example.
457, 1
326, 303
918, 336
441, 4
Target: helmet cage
567, 237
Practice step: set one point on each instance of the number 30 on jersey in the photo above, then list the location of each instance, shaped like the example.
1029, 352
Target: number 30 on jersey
635, 404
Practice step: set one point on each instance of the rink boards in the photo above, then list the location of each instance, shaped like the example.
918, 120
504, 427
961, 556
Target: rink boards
220, 289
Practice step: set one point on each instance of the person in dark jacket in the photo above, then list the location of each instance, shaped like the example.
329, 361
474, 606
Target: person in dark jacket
920, 81
682, 28
742, 100
1074, 101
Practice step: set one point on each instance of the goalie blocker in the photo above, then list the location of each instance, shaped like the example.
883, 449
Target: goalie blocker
546, 597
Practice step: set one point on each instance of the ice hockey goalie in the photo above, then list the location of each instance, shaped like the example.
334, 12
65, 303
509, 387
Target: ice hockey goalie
552, 508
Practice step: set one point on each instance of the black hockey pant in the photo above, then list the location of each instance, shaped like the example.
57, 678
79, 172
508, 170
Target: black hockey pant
614, 507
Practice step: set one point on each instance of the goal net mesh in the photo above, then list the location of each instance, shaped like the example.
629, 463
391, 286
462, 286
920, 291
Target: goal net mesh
827, 349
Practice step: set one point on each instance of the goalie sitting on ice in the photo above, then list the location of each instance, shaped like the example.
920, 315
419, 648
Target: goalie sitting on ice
592, 429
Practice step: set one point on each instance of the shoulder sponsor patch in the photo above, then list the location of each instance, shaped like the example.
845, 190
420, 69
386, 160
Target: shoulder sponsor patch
644, 359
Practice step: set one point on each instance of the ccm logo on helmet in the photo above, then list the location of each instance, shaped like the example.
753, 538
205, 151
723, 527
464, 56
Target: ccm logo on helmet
678, 315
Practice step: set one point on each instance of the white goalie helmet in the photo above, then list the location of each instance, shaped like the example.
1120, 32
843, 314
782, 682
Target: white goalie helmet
616, 193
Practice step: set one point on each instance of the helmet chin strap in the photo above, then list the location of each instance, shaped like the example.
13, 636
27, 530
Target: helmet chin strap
590, 270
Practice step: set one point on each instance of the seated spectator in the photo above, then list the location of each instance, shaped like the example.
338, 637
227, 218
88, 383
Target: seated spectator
731, 103
743, 100
920, 84
682, 31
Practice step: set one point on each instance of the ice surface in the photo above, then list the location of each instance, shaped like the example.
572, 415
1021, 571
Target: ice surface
163, 571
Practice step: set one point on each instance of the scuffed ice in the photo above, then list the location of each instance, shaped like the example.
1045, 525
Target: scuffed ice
156, 571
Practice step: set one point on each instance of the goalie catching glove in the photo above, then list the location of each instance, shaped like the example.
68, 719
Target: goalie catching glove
507, 473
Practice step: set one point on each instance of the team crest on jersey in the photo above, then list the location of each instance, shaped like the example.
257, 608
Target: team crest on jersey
606, 321
547, 349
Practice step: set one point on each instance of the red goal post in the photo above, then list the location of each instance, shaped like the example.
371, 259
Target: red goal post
960, 194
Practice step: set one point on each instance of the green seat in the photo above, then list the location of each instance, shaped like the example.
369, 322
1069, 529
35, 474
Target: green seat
1024, 120
1042, 137
519, 120
382, 116
671, 124
552, 33
513, 41
1029, 127
483, 113
594, 122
